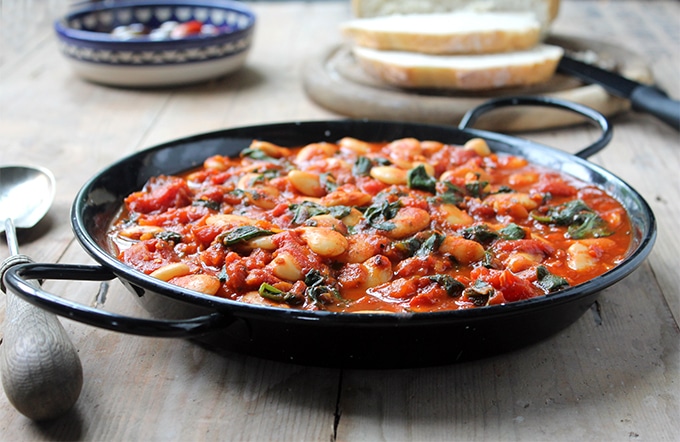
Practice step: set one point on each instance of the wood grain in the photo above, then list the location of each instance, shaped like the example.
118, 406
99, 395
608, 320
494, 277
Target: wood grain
613, 375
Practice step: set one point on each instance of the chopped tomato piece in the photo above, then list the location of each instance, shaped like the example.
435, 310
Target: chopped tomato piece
149, 255
555, 185
160, 193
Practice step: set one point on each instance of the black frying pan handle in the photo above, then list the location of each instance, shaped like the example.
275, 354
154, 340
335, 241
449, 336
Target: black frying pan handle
600, 120
16, 279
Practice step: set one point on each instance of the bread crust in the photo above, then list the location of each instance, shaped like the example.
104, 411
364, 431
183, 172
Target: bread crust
483, 75
546, 10
449, 37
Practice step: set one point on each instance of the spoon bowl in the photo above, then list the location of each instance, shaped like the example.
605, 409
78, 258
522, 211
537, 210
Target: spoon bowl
26, 194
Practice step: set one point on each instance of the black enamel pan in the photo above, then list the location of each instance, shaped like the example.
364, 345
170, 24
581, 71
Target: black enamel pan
323, 338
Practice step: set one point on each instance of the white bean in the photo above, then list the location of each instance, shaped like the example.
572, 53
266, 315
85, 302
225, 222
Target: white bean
172, 270
285, 266
270, 149
356, 146
389, 174
226, 220
454, 216
407, 221
246, 181
429, 147
519, 261
478, 145
465, 251
353, 218
140, 232
328, 222
316, 150
306, 183
584, 253
468, 173
264, 197
405, 148
379, 271
502, 201
216, 162
324, 242
202, 283
255, 298
342, 197
334, 163
363, 246
261, 242
579, 257
523, 179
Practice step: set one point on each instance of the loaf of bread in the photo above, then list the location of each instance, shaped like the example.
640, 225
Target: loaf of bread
446, 33
463, 72
544, 10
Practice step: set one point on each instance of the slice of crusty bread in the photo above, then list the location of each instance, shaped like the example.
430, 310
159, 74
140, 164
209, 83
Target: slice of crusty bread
446, 33
545, 10
465, 72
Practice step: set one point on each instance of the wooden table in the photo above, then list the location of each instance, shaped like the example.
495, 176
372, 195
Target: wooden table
613, 375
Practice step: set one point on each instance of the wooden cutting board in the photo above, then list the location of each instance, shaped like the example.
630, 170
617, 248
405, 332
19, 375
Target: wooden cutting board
334, 80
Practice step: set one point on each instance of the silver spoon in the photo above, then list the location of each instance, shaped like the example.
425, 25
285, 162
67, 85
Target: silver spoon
41, 372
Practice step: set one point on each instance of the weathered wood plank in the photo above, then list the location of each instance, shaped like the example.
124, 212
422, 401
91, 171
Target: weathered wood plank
610, 376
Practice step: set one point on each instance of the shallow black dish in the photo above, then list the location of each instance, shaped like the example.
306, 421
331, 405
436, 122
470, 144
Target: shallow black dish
322, 338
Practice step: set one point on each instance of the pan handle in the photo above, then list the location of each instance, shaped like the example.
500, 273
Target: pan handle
594, 116
17, 279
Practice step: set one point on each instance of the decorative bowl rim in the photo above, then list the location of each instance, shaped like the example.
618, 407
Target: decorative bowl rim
78, 36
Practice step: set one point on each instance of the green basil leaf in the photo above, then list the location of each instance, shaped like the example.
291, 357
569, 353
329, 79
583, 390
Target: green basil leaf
504, 189
328, 182
549, 282
512, 231
450, 194
476, 188
339, 212
212, 205
223, 276
452, 287
407, 247
581, 220
379, 214
318, 290
267, 174
479, 292
270, 292
430, 245
588, 225
307, 209
480, 233
257, 154
243, 233
362, 167
419, 179
169, 236
314, 278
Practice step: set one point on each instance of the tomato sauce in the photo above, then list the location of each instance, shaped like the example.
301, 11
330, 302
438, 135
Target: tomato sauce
352, 226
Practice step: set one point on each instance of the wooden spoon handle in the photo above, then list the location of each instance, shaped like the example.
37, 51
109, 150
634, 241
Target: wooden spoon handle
41, 371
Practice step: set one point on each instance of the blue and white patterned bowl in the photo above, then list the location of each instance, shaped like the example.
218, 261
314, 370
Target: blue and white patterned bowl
86, 41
